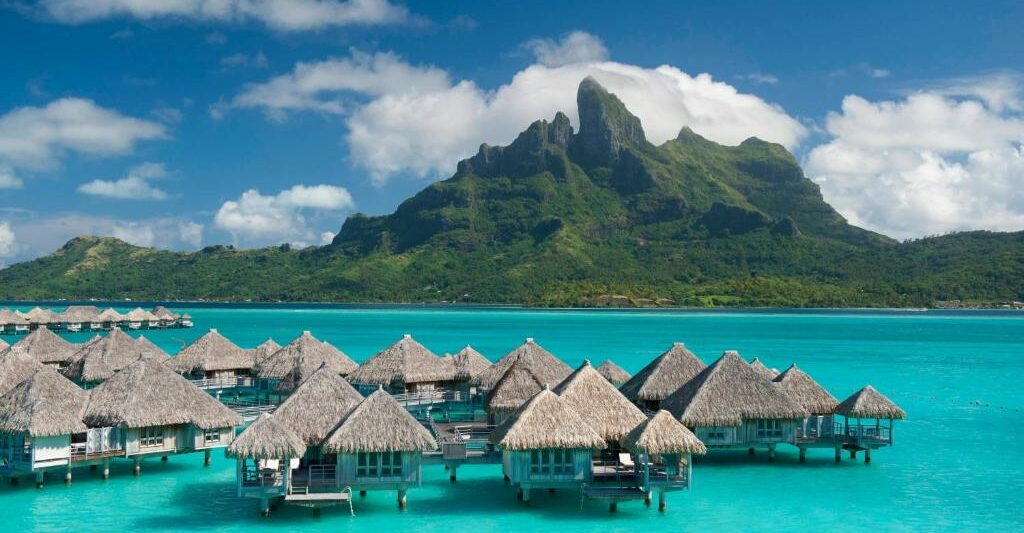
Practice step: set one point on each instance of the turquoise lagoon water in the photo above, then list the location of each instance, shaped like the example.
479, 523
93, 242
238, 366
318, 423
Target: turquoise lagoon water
956, 464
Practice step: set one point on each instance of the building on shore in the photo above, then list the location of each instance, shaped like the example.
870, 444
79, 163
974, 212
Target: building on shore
729, 405
662, 376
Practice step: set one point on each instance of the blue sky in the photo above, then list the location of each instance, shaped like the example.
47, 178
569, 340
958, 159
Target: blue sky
180, 124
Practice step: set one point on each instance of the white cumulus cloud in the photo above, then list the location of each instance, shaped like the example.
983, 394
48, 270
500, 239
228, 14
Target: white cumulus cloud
37, 137
414, 119
8, 179
283, 15
190, 233
574, 47
135, 186
8, 243
257, 219
932, 162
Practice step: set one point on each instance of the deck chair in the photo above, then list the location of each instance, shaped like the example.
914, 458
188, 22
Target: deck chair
626, 461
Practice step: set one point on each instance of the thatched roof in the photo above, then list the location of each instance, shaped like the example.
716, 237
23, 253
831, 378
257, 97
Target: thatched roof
379, 424
80, 314
546, 421
806, 392
614, 373
316, 406
869, 403
11, 317
729, 392
404, 362
211, 352
3, 345
38, 315
99, 360
109, 315
44, 405
664, 375
767, 373
265, 350
267, 438
139, 315
307, 354
147, 348
515, 388
148, 393
47, 346
16, 366
164, 313
599, 403
662, 433
548, 368
469, 363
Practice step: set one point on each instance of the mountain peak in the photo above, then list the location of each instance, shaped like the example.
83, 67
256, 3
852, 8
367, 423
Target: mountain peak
606, 126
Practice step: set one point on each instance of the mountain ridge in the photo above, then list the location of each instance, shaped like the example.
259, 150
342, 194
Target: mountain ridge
566, 217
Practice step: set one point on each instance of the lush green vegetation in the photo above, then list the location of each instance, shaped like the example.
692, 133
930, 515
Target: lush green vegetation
561, 218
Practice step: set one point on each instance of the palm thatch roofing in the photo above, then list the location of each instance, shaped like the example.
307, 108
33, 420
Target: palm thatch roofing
515, 388
767, 373
80, 314
599, 403
44, 405
662, 434
263, 351
15, 367
549, 369
869, 403
110, 315
546, 421
469, 363
164, 313
614, 373
140, 315
729, 392
317, 405
406, 361
307, 354
100, 360
47, 346
379, 424
11, 317
664, 375
147, 348
38, 315
806, 392
209, 353
147, 393
3, 345
267, 438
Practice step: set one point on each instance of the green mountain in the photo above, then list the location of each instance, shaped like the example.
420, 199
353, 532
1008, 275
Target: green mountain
558, 217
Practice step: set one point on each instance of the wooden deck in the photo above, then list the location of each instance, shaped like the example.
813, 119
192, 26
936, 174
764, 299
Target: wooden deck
319, 497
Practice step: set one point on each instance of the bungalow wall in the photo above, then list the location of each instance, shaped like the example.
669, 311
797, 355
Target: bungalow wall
26, 454
151, 440
548, 466
383, 470
203, 439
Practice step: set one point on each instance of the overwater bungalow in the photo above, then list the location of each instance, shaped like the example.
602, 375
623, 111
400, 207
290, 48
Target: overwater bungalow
379, 446
469, 364
165, 317
663, 448
614, 373
185, 320
15, 367
728, 405
79, 317
762, 370
38, 418
48, 347
139, 318
42, 318
263, 351
100, 360
109, 319
288, 367
405, 368
152, 411
867, 423
12, 323
662, 376
816, 430
548, 368
514, 389
601, 405
214, 362
546, 444
265, 453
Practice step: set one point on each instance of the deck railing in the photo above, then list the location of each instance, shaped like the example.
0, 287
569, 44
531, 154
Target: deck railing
223, 382
99, 443
314, 478
861, 432
254, 476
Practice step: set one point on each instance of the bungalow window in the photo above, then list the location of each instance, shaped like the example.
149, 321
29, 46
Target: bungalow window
26, 449
769, 429
715, 434
557, 462
151, 437
378, 465
211, 436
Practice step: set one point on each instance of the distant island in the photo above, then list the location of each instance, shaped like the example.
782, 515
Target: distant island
598, 217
